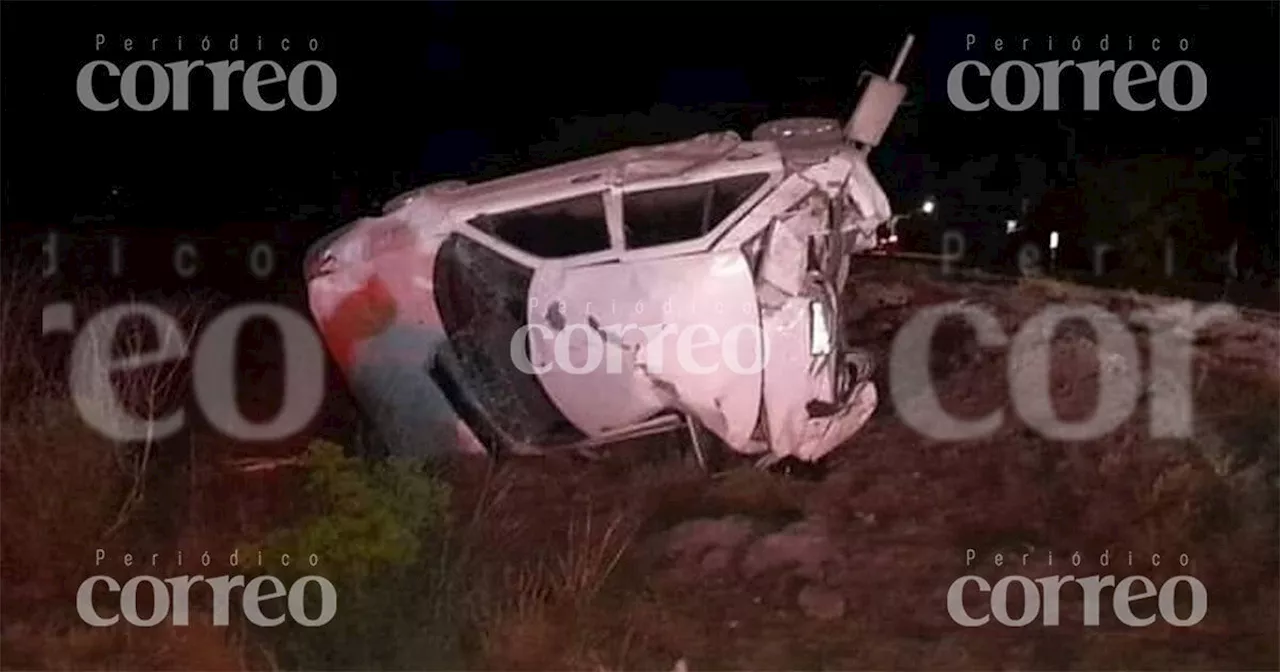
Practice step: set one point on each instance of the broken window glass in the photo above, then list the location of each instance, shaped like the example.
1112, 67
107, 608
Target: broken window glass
676, 214
732, 192
553, 230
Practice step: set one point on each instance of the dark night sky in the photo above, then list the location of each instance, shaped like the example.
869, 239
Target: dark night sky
429, 91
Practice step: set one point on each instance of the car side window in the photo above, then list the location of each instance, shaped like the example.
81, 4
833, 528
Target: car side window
685, 212
732, 192
662, 216
554, 230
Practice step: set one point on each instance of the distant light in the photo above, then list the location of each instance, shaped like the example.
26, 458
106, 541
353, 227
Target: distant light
928, 207
1010, 225
893, 238
1053, 240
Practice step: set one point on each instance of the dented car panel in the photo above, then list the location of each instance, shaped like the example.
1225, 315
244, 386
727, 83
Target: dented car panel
638, 312
553, 309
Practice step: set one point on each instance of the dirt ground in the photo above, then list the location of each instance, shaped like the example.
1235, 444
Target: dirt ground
641, 560
850, 569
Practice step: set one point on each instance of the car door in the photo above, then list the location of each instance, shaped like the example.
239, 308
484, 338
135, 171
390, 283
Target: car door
616, 343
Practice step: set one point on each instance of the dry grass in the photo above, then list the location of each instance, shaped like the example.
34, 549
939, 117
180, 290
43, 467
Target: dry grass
199, 647
533, 615
546, 570
590, 558
60, 490
905, 510
68, 488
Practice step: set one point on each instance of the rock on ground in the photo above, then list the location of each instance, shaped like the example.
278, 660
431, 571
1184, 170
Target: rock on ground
819, 602
803, 547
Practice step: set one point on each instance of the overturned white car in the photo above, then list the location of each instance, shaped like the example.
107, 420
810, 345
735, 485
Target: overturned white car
695, 283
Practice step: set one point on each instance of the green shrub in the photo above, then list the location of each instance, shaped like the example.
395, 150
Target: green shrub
381, 532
